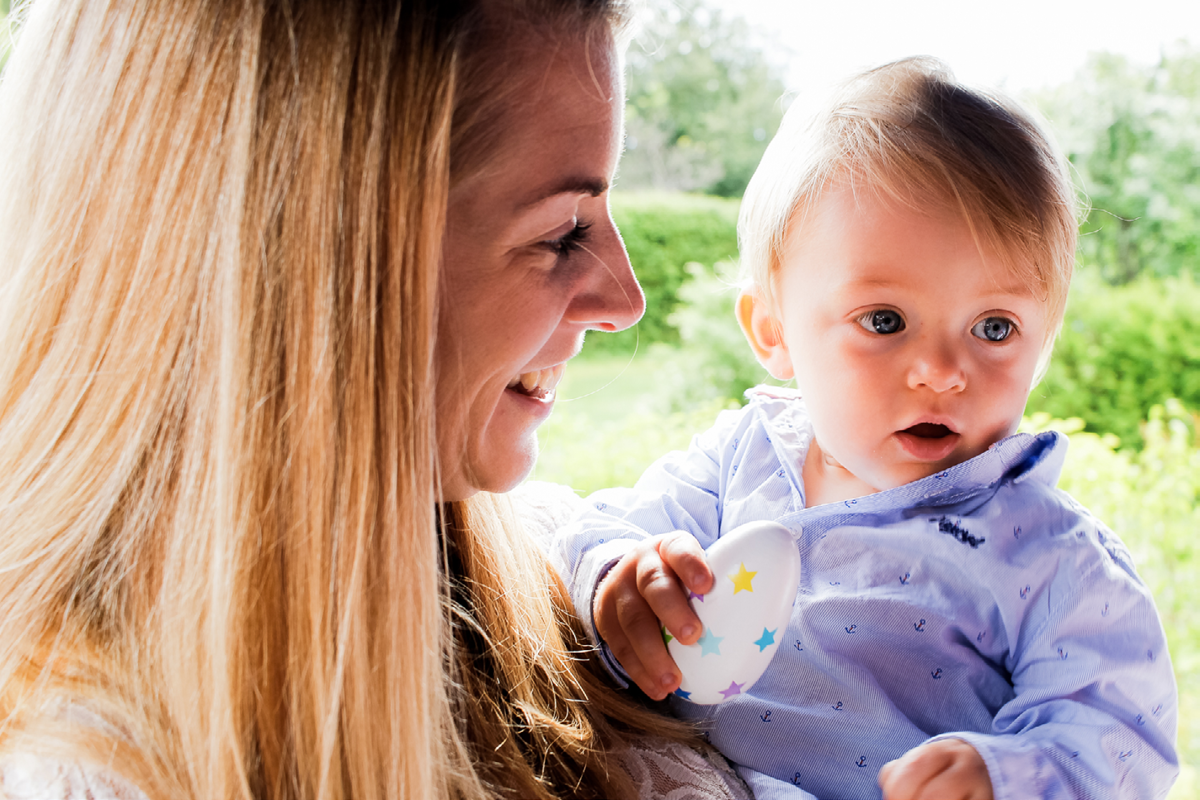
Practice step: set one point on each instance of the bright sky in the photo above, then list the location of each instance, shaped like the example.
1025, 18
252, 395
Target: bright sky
1015, 45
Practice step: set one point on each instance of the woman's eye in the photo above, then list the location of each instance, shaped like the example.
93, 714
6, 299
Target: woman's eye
993, 329
570, 242
883, 321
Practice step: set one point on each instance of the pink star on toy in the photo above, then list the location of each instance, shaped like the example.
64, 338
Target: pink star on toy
734, 688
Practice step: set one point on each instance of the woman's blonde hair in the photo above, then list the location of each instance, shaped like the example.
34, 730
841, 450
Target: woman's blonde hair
912, 133
225, 571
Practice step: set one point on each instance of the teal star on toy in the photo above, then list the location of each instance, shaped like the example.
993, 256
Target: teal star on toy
767, 638
710, 643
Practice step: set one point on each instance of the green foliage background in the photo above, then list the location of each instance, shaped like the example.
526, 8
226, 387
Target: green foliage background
701, 102
1122, 351
663, 233
1132, 133
5, 38
1123, 348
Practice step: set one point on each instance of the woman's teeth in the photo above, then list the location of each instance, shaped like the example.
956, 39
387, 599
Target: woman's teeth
539, 384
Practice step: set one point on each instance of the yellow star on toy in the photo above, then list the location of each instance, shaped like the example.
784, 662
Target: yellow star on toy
742, 579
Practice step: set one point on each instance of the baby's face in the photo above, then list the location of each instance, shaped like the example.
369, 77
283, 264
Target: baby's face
914, 350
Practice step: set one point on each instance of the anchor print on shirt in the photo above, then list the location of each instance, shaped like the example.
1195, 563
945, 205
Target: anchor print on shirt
919, 626
765, 717
851, 628
862, 762
937, 674
904, 579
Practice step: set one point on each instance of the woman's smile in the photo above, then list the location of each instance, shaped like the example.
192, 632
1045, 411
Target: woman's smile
539, 384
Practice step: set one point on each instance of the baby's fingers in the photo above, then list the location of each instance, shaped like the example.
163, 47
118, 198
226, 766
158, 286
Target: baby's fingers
949, 769
641, 650
630, 628
659, 584
685, 557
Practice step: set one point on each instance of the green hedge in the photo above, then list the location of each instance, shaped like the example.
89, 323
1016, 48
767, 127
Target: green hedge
1122, 351
663, 233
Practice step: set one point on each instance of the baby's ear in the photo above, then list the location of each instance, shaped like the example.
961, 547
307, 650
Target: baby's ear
763, 332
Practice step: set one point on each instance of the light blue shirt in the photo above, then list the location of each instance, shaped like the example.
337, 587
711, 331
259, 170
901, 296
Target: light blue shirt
981, 603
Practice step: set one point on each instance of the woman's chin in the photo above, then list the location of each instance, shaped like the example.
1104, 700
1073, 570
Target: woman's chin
499, 462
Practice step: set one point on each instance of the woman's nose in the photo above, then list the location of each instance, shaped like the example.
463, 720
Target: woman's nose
610, 299
936, 366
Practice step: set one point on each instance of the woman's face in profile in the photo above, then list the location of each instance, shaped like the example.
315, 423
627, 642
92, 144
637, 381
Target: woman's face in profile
531, 261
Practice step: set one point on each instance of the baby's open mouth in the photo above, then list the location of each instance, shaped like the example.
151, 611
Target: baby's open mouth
538, 384
928, 430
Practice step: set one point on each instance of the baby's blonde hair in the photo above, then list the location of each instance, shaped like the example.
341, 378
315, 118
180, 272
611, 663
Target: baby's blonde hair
909, 131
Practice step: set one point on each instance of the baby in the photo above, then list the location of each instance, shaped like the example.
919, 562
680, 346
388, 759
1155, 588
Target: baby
963, 629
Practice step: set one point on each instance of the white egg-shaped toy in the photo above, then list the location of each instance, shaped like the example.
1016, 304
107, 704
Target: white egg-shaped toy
756, 570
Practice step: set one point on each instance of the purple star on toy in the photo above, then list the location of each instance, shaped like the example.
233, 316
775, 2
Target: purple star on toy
734, 688
693, 595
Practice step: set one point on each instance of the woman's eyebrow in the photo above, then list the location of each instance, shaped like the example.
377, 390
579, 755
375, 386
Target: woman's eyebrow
593, 187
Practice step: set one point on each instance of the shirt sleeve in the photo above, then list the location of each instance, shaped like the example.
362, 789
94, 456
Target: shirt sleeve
1094, 711
680, 491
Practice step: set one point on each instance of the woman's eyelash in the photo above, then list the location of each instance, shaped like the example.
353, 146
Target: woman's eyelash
570, 242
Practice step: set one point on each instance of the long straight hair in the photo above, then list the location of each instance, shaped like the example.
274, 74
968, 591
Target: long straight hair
222, 575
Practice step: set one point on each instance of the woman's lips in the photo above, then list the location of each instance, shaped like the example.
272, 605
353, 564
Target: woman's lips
928, 441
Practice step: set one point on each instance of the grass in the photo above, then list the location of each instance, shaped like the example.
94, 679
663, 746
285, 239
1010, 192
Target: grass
609, 423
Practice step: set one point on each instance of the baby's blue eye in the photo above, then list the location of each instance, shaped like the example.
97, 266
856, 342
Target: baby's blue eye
994, 329
883, 321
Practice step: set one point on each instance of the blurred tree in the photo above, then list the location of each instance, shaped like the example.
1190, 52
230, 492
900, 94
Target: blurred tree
1130, 133
702, 101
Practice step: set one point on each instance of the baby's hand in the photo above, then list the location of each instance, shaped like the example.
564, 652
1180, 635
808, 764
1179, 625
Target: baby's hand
948, 769
649, 584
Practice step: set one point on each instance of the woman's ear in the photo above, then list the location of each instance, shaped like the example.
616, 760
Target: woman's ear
763, 332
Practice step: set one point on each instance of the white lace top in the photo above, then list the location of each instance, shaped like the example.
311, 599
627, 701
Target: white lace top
660, 770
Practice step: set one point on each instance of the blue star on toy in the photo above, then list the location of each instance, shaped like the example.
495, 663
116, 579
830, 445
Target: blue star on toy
767, 639
681, 693
709, 643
